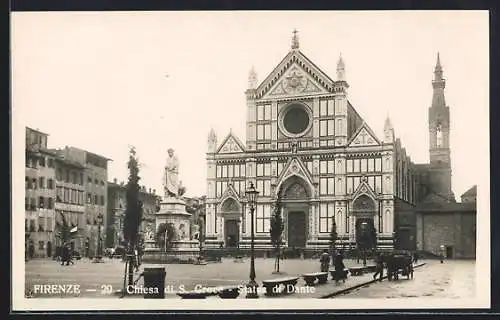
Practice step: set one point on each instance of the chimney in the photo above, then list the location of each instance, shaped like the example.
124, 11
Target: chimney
149, 190
115, 181
154, 191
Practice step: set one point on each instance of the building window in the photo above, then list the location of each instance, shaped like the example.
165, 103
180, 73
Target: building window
364, 166
267, 169
102, 183
50, 203
89, 198
264, 112
263, 132
50, 163
260, 169
41, 245
59, 174
218, 189
41, 202
326, 216
50, 184
102, 200
96, 182
81, 179
356, 183
49, 225
96, 199
356, 165
262, 218
264, 187
41, 182
326, 186
89, 180
42, 162
349, 165
26, 203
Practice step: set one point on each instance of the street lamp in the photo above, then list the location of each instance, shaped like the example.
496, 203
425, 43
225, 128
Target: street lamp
99, 245
252, 285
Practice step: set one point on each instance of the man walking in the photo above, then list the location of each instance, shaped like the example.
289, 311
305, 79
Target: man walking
379, 269
324, 261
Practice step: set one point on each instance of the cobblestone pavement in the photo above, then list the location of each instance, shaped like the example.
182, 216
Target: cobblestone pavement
452, 279
103, 279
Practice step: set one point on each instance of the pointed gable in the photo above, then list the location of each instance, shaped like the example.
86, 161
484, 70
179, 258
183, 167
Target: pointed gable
230, 192
295, 167
231, 144
364, 188
363, 137
295, 74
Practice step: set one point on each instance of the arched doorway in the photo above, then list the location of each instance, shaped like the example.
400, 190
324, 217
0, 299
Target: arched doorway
231, 211
295, 197
364, 210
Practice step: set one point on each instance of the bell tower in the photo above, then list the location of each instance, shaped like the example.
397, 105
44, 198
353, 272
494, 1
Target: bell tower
439, 137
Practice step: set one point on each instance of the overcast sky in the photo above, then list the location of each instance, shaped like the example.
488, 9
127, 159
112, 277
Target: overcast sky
105, 81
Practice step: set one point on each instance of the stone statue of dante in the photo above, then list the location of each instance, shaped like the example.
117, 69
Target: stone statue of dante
171, 177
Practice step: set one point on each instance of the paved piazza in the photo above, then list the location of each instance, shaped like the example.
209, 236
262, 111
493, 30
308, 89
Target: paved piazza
453, 279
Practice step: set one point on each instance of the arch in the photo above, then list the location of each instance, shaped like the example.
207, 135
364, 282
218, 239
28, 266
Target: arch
230, 205
295, 187
364, 203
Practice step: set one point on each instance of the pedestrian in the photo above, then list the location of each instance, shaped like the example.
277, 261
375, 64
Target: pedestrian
339, 268
379, 269
65, 255
31, 250
415, 257
136, 259
324, 260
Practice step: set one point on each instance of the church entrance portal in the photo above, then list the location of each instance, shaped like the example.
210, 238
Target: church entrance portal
296, 229
365, 210
296, 207
232, 233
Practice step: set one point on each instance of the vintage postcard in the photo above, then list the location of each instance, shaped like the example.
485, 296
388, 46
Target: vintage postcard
250, 160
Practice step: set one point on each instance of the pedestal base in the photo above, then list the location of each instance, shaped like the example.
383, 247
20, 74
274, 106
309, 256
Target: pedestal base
180, 252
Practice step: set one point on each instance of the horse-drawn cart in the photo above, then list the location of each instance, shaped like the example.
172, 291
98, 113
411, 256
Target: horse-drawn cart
399, 262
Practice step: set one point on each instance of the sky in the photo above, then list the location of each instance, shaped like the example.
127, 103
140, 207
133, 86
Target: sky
105, 81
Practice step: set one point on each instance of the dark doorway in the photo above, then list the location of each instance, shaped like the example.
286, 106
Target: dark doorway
297, 229
449, 252
49, 249
366, 237
232, 233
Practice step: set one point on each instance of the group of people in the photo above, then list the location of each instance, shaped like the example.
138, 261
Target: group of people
338, 264
339, 267
66, 255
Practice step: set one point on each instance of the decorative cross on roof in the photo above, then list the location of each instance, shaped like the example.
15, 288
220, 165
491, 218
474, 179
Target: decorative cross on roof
295, 39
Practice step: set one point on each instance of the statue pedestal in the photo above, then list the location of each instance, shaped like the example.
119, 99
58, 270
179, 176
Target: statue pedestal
149, 245
182, 249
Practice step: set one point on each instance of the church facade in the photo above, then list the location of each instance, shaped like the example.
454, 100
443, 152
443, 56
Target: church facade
306, 141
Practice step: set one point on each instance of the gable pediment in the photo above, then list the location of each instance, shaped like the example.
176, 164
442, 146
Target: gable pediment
364, 189
364, 137
295, 167
231, 195
295, 74
295, 81
231, 144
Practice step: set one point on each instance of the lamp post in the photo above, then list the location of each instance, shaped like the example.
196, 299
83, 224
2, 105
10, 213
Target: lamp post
252, 285
99, 245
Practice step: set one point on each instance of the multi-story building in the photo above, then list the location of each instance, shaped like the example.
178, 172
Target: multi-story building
40, 195
95, 182
306, 140
70, 199
116, 206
